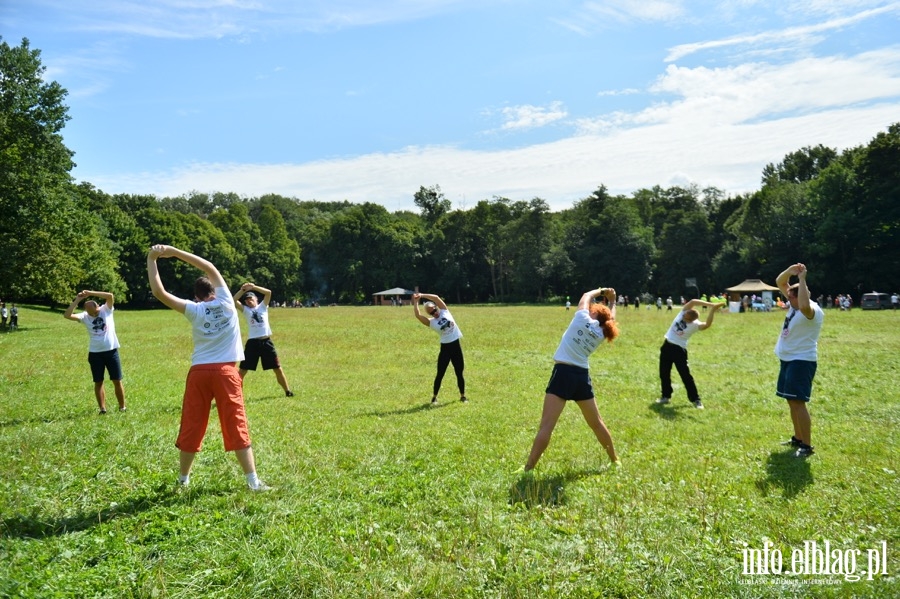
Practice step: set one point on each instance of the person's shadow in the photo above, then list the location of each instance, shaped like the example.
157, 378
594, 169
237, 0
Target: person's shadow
38, 526
411, 410
532, 490
785, 472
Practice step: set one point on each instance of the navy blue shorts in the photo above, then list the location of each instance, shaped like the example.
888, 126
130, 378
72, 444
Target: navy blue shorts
102, 361
795, 379
260, 349
570, 383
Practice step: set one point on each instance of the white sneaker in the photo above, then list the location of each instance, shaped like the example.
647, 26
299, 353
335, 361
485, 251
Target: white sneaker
260, 487
663, 400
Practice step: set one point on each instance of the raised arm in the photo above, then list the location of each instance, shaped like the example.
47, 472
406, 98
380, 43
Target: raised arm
156, 286
107, 297
803, 302
698, 302
608, 292
712, 314
434, 298
415, 302
266, 293
783, 281
71, 309
239, 294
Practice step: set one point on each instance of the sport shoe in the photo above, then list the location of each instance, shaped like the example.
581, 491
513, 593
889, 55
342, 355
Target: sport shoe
180, 487
794, 442
804, 451
289, 393
698, 404
123, 409
434, 399
663, 400
463, 399
103, 412
260, 487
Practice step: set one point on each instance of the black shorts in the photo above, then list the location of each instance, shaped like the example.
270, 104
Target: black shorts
795, 379
102, 361
260, 349
570, 383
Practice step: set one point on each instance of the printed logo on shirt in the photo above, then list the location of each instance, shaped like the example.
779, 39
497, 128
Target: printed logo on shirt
215, 319
680, 327
255, 317
445, 323
98, 325
787, 321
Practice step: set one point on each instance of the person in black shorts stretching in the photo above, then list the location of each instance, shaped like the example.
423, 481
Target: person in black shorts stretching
259, 338
571, 380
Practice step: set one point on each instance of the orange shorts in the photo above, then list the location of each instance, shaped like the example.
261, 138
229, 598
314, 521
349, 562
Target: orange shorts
206, 382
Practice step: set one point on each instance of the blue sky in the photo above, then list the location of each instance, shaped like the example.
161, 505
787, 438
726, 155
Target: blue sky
368, 100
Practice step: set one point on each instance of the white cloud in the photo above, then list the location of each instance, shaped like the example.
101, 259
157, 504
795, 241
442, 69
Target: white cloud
801, 35
720, 129
530, 117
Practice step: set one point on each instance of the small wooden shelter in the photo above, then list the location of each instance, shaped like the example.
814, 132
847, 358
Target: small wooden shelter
399, 295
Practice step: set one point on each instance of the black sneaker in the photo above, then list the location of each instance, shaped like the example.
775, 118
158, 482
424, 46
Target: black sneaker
103, 412
698, 404
463, 399
794, 442
804, 451
289, 393
434, 400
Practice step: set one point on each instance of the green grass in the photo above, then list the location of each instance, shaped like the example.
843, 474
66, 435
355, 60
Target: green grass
379, 495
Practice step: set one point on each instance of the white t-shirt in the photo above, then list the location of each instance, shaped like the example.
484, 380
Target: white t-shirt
799, 339
101, 329
217, 334
681, 331
580, 340
258, 321
444, 324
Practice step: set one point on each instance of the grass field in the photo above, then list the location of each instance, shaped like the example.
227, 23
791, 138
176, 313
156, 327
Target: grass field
380, 495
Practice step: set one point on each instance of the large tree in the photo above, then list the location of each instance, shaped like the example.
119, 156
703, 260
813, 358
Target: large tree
52, 245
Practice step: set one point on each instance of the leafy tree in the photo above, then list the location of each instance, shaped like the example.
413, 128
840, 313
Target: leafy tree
432, 203
52, 244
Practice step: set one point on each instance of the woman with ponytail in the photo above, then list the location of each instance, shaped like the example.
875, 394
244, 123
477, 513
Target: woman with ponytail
571, 380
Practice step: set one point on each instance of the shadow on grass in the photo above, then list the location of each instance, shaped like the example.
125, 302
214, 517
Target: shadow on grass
669, 411
411, 410
51, 419
36, 526
786, 472
534, 490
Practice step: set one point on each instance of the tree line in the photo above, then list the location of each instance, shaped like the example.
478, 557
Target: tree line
839, 212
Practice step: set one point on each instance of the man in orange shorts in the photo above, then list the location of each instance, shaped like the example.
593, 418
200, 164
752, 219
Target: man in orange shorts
217, 346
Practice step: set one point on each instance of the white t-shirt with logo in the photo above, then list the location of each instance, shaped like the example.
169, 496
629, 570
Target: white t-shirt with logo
258, 321
580, 340
799, 339
101, 329
681, 330
444, 324
217, 333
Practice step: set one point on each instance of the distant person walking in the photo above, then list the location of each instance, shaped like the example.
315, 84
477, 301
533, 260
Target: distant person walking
259, 338
440, 319
217, 346
571, 379
674, 350
14, 318
103, 351
797, 349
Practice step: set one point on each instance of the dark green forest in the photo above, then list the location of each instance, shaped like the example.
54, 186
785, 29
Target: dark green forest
836, 211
